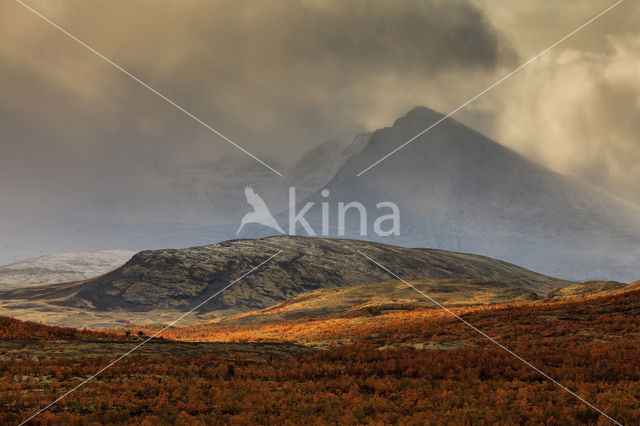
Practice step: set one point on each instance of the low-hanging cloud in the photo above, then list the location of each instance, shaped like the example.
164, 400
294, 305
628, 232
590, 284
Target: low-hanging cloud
278, 77
79, 139
577, 109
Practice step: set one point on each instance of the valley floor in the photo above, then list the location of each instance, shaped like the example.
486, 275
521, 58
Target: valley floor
415, 365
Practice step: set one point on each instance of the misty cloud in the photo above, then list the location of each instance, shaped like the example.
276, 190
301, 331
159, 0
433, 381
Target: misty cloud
82, 143
584, 111
277, 77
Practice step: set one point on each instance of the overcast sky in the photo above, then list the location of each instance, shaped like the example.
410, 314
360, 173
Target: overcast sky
279, 77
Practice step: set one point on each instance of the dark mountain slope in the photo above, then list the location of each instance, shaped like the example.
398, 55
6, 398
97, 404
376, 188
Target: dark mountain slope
183, 278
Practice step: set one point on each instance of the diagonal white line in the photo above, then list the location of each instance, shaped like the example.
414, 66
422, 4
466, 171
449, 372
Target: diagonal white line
121, 357
491, 87
145, 85
500, 345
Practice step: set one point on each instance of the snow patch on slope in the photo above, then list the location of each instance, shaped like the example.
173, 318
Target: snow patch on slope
62, 267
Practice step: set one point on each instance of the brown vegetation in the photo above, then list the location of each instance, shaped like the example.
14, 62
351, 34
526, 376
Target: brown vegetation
590, 345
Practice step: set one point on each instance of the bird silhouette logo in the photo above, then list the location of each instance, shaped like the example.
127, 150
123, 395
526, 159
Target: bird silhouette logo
260, 213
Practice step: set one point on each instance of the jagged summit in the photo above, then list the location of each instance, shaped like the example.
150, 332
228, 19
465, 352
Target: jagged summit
418, 118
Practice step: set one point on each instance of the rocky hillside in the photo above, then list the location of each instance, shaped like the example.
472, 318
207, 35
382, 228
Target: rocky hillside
180, 279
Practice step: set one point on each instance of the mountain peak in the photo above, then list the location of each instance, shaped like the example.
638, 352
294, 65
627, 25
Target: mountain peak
459, 190
449, 144
419, 116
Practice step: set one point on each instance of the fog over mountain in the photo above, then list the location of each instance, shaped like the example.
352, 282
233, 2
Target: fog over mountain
455, 188
208, 200
80, 140
458, 190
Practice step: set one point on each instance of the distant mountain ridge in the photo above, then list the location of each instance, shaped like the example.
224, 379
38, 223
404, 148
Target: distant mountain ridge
61, 268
